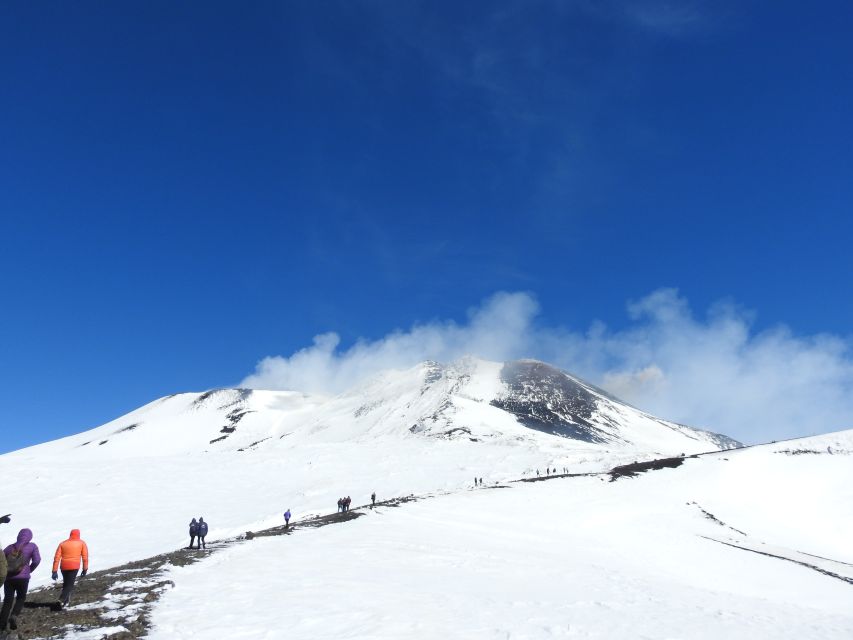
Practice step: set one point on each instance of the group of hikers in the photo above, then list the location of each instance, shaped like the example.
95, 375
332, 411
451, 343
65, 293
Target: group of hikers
549, 471
344, 503
198, 529
552, 471
20, 559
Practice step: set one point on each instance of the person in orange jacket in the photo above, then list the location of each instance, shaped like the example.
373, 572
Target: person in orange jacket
69, 553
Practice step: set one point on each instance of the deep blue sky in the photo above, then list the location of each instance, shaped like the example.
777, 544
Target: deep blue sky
186, 188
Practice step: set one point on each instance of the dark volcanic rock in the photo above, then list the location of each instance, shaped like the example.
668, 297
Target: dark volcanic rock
546, 399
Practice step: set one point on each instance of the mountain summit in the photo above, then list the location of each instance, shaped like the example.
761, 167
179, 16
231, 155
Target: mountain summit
526, 403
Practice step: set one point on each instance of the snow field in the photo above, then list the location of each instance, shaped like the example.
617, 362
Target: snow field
568, 558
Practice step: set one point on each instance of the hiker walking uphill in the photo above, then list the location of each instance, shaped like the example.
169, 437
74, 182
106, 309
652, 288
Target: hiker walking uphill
202, 532
193, 532
287, 518
67, 559
21, 558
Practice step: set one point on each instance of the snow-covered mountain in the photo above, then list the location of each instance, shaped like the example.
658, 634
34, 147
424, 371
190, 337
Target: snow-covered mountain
720, 546
527, 403
241, 456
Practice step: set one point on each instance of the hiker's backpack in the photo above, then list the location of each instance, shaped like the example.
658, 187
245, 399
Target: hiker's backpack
15, 561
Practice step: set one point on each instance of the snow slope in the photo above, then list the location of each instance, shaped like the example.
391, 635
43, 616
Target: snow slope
663, 555
240, 457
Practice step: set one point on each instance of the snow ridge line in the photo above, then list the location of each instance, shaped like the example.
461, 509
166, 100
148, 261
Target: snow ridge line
825, 572
715, 519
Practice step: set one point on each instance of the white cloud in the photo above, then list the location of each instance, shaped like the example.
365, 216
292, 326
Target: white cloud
498, 330
713, 372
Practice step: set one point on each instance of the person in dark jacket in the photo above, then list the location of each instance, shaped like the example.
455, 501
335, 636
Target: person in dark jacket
286, 518
193, 532
22, 558
372, 499
202, 532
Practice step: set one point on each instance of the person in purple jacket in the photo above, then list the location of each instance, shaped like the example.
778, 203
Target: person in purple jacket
22, 559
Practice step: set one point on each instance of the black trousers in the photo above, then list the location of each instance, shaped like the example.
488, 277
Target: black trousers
13, 590
192, 541
68, 578
201, 542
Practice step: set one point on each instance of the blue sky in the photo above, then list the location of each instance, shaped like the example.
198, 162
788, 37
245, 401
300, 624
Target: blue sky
190, 188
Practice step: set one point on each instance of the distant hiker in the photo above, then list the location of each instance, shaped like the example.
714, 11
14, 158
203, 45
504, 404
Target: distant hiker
537, 473
547, 471
67, 559
193, 532
475, 482
286, 518
202, 532
21, 559
347, 503
481, 482
372, 499
340, 504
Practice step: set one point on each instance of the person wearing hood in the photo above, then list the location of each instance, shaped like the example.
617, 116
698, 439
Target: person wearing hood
193, 532
202, 532
21, 558
67, 559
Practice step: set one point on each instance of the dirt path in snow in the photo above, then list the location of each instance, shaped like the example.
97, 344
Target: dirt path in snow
116, 603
